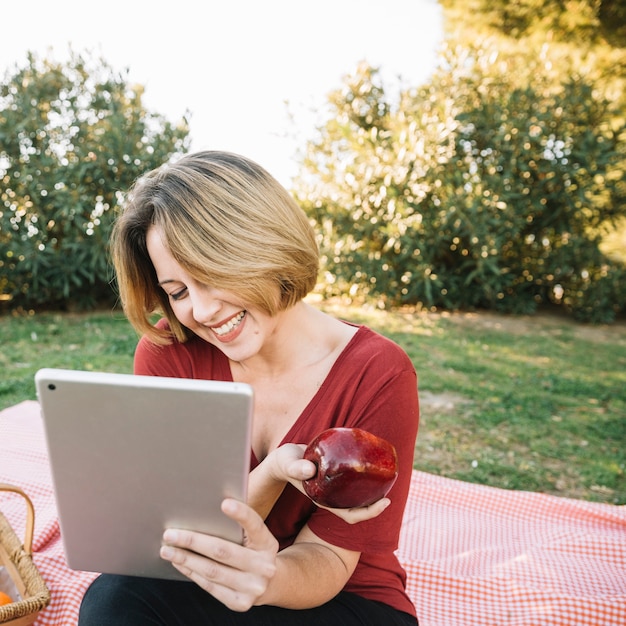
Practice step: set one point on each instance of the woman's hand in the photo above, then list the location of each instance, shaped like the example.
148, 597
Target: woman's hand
237, 575
360, 514
268, 479
287, 465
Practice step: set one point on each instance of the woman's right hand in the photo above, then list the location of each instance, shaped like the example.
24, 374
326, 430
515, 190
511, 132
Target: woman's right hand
286, 464
268, 479
237, 575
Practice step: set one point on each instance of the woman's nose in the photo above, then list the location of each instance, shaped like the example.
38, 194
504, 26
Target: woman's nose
204, 306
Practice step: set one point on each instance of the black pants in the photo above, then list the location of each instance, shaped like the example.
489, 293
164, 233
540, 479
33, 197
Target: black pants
132, 601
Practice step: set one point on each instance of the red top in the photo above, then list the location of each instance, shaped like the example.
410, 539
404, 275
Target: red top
372, 386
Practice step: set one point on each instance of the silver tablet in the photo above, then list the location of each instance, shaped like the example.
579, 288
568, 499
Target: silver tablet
133, 455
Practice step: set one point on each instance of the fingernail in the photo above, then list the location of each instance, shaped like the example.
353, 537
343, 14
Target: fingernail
167, 553
170, 536
229, 506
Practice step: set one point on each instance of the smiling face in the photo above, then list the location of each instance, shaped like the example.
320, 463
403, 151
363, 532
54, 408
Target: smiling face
226, 223
218, 316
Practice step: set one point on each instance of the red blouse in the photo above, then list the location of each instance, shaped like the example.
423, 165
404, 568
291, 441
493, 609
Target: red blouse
373, 386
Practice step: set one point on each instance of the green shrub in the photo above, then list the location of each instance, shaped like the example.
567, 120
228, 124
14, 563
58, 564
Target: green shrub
73, 137
475, 192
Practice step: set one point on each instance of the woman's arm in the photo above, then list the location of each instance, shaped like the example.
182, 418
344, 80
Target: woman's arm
268, 479
309, 573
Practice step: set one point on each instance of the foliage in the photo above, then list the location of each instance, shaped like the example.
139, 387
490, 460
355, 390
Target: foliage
72, 137
591, 21
492, 197
574, 36
571, 38
535, 179
496, 184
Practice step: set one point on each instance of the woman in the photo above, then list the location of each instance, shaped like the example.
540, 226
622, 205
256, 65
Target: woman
223, 251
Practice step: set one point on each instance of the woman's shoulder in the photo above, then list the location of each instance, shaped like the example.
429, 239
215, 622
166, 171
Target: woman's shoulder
194, 358
370, 344
146, 344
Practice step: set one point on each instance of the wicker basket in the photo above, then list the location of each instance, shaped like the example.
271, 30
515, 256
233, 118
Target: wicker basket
17, 559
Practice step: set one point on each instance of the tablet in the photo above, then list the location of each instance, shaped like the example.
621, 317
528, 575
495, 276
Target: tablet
133, 455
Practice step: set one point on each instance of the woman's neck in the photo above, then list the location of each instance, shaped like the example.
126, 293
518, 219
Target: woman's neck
302, 336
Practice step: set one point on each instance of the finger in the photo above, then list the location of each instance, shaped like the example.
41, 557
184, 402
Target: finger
285, 462
238, 592
256, 533
237, 575
259, 543
234, 574
301, 470
215, 548
205, 553
207, 572
361, 514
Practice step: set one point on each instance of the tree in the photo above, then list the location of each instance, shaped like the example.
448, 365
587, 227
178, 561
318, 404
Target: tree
536, 179
591, 22
73, 137
494, 184
478, 190
573, 36
364, 179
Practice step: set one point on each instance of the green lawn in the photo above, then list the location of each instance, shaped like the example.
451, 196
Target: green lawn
536, 403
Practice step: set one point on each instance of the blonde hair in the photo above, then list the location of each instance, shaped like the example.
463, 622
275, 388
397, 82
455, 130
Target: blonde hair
228, 223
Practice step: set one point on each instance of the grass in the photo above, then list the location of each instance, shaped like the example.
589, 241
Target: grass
535, 403
99, 341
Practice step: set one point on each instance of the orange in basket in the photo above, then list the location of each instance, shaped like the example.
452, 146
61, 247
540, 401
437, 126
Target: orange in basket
5, 598
16, 557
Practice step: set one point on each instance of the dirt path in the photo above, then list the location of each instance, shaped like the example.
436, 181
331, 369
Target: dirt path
548, 323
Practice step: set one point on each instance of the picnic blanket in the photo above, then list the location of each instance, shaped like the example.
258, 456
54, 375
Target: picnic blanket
474, 555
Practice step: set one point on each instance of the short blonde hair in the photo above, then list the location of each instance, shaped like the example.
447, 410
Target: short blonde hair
228, 222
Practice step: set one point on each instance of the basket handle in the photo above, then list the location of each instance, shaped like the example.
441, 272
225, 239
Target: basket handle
30, 515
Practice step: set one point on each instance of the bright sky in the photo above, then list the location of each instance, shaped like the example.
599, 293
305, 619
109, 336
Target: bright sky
234, 65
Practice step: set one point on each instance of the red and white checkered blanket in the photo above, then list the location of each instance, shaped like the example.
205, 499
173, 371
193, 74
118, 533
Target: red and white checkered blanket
474, 555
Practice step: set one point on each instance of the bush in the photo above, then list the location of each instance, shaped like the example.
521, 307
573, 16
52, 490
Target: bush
474, 193
72, 137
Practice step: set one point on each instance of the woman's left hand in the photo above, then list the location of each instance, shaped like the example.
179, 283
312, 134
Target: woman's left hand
361, 514
289, 466
237, 575
286, 464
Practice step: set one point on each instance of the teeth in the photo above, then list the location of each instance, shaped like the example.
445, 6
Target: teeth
230, 324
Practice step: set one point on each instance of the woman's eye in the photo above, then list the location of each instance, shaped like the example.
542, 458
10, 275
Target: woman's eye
177, 295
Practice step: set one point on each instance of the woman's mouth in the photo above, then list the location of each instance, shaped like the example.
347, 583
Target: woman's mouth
228, 329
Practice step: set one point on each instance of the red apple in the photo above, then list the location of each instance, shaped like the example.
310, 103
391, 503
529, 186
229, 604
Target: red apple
354, 468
